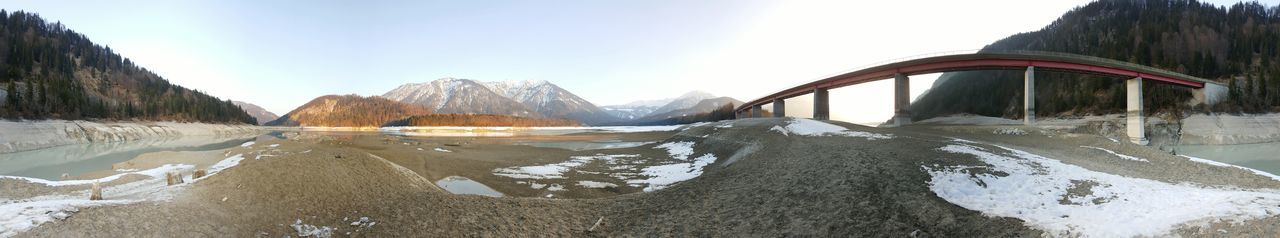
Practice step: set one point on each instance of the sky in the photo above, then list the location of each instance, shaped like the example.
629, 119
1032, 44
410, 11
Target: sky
282, 54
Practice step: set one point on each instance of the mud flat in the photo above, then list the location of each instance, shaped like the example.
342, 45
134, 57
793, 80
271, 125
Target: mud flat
755, 177
30, 135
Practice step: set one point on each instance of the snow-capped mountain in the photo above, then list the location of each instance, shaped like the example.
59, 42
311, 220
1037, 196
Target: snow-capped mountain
450, 95
551, 100
629, 111
687, 100
518, 98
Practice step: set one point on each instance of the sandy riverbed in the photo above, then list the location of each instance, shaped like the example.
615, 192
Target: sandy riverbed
767, 179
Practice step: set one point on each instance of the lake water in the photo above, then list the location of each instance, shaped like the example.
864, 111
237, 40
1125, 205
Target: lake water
464, 185
51, 163
1261, 156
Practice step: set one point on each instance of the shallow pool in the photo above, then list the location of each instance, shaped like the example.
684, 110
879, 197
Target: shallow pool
464, 185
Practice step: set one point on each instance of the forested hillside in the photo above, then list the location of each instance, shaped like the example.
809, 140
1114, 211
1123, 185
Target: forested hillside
1237, 45
50, 72
348, 111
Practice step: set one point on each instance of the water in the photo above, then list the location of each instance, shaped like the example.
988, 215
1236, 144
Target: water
464, 185
51, 163
1261, 156
585, 145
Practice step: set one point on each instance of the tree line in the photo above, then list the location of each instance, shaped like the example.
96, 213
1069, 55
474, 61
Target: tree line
50, 72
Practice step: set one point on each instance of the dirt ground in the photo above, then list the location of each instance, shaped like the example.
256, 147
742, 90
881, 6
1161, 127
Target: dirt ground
763, 184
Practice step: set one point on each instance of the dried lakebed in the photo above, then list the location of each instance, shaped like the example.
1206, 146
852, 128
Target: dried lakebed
750, 177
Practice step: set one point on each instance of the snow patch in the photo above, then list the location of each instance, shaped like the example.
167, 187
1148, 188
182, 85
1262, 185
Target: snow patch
308, 230
438, 149
1036, 189
594, 184
661, 176
247, 144
807, 127
554, 171
155, 173
1122, 156
678, 150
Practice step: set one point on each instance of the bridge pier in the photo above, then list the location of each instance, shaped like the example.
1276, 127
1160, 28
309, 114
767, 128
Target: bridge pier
779, 108
1135, 120
757, 111
1029, 96
821, 104
901, 100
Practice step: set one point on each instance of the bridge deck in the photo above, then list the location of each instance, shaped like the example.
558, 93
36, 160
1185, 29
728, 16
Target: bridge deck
987, 60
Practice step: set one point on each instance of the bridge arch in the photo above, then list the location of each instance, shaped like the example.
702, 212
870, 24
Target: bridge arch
986, 60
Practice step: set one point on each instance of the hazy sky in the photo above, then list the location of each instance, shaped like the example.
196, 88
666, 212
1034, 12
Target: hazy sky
281, 54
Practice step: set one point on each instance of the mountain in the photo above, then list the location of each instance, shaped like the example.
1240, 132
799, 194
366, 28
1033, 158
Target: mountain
683, 101
551, 101
462, 96
636, 109
629, 112
700, 107
711, 109
514, 98
1238, 45
262, 115
348, 111
51, 72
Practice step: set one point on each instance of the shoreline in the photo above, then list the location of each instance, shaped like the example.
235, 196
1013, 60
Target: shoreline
34, 135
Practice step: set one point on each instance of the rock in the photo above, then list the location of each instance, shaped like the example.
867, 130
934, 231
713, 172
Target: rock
199, 173
173, 178
95, 193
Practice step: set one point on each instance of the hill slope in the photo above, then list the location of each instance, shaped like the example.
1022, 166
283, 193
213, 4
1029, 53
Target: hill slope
50, 72
348, 111
260, 114
1239, 45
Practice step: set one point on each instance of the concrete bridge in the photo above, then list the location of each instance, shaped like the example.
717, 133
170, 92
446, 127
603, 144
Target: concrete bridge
1134, 74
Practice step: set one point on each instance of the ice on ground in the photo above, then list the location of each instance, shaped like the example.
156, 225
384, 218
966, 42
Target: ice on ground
308, 230
155, 173
555, 187
221, 165
274, 145
1221, 164
725, 125
594, 184
1122, 156
364, 222
661, 176
807, 127
554, 171
438, 149
247, 144
1036, 189
21, 216
779, 129
678, 150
